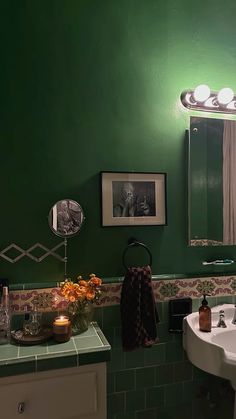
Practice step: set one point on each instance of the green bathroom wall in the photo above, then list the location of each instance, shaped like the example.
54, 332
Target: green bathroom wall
90, 86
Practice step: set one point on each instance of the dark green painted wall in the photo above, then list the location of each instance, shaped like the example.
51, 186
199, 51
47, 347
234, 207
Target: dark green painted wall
90, 86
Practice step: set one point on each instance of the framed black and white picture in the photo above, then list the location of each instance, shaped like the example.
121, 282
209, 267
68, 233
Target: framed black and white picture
133, 198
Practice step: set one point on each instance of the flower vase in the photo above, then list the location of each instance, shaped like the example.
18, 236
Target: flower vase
80, 315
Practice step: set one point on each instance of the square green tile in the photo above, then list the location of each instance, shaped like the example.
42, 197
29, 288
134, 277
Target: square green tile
129, 415
155, 355
135, 358
61, 347
183, 371
32, 350
115, 403
194, 390
163, 333
184, 411
135, 400
117, 338
110, 382
199, 374
174, 351
154, 397
117, 360
174, 394
145, 377
88, 333
164, 314
178, 337
111, 316
164, 374
148, 414
125, 380
8, 351
87, 344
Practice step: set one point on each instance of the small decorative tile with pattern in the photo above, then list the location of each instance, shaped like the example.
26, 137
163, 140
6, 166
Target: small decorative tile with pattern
169, 290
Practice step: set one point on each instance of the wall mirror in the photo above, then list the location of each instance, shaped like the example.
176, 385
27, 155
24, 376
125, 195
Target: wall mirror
66, 218
212, 182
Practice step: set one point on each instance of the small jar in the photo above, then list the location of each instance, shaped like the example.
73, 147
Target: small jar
61, 329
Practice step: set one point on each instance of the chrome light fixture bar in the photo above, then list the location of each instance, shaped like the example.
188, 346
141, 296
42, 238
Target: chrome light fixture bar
202, 99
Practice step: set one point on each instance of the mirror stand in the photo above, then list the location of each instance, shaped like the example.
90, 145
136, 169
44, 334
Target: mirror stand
65, 259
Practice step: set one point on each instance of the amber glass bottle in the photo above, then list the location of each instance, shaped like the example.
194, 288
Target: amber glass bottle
204, 316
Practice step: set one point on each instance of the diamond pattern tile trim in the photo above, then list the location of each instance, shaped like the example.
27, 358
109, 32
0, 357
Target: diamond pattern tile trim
27, 252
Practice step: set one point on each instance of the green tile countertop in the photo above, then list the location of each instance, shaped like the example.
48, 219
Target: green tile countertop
87, 348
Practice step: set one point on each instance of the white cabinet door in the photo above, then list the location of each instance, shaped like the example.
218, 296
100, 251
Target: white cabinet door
75, 393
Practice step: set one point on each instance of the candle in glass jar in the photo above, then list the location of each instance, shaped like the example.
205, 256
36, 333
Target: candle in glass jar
61, 321
62, 329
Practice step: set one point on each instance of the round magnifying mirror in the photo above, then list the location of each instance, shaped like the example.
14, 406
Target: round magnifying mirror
66, 218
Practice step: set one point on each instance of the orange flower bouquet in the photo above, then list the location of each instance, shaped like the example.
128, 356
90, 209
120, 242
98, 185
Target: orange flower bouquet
80, 296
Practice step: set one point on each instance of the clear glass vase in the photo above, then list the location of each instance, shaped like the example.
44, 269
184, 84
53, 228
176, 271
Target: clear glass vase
80, 314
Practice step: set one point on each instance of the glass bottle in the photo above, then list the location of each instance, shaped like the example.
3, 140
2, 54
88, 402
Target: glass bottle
4, 317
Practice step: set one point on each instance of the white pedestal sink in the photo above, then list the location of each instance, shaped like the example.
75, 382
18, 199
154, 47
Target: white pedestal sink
215, 351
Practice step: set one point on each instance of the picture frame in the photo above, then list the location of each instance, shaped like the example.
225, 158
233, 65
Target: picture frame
132, 199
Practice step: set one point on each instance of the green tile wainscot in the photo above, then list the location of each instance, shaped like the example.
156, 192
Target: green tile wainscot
87, 348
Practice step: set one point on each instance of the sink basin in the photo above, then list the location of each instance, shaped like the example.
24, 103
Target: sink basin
215, 351
226, 340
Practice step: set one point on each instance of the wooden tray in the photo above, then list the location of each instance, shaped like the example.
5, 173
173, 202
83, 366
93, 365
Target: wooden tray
44, 335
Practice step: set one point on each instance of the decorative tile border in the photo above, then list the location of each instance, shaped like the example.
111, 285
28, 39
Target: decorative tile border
205, 242
49, 299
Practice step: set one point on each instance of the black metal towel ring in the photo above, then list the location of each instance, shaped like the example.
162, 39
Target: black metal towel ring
132, 243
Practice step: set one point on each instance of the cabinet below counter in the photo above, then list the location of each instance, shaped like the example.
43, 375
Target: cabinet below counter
55, 381
71, 393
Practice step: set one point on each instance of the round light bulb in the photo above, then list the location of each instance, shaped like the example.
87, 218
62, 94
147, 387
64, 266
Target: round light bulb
201, 93
225, 96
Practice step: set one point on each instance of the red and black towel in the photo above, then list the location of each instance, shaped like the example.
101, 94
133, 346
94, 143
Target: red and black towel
139, 316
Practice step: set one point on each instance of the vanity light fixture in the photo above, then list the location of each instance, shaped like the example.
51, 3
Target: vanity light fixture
203, 99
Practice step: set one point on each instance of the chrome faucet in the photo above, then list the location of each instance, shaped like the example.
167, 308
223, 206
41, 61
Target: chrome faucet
234, 318
221, 322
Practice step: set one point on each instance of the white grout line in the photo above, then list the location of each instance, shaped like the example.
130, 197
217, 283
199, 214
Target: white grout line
77, 353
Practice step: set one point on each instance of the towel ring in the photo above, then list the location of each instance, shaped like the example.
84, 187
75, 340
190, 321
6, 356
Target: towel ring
132, 244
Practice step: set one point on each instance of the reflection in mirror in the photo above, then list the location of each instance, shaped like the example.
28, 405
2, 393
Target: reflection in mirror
66, 218
212, 175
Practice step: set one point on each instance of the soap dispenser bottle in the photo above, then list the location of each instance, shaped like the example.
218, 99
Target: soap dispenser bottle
204, 316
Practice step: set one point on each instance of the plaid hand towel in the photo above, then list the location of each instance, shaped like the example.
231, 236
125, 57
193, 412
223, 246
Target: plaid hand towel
139, 316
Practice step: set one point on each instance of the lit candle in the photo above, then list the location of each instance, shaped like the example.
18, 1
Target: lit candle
62, 329
61, 321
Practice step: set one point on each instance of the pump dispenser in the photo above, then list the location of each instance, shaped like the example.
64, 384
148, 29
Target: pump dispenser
204, 316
